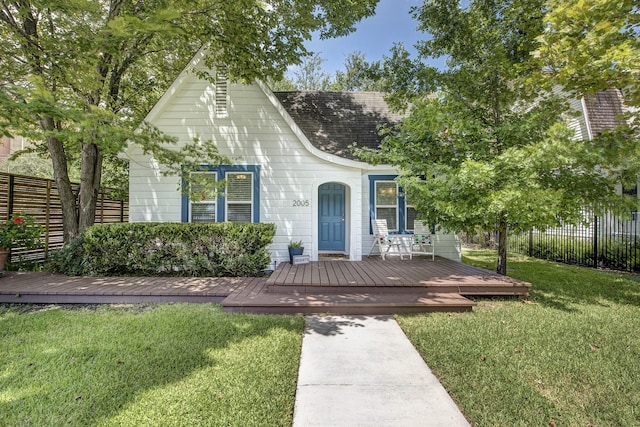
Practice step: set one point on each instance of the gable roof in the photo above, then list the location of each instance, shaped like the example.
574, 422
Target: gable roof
333, 121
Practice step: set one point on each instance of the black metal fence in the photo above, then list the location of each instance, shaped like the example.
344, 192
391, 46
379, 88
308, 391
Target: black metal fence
606, 242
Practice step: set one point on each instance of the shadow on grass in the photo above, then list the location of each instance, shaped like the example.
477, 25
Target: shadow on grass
560, 286
84, 367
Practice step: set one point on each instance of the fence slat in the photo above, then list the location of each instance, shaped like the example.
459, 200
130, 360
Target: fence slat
39, 198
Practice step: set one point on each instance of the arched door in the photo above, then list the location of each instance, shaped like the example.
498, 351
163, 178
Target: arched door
331, 217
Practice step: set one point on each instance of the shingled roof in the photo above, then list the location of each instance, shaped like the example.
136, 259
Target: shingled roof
332, 121
603, 110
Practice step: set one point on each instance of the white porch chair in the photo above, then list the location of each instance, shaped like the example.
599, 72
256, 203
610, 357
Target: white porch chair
384, 241
423, 241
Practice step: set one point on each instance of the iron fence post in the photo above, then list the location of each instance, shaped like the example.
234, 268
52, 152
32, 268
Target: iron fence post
595, 241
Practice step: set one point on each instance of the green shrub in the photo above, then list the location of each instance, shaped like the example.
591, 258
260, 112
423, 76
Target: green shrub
69, 260
169, 249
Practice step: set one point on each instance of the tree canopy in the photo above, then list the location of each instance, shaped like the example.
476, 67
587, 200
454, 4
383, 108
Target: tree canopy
357, 75
592, 45
481, 146
78, 76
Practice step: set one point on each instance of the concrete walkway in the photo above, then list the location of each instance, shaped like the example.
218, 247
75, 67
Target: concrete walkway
363, 371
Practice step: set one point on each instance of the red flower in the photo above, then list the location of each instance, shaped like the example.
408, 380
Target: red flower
18, 220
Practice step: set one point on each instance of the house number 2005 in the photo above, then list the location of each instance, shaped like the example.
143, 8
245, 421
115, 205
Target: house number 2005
300, 203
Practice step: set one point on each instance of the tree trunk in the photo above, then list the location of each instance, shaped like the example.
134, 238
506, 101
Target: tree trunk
61, 177
90, 176
502, 248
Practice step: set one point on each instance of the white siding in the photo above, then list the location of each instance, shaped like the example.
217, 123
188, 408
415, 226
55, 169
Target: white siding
254, 133
577, 118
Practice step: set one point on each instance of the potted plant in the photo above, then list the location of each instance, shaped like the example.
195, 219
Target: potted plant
295, 248
18, 231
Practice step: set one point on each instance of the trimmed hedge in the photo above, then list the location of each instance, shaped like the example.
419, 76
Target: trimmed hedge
168, 249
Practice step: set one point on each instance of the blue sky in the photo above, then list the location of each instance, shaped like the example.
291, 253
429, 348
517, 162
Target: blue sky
374, 36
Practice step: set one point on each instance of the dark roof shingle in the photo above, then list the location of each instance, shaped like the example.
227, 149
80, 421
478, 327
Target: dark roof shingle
333, 121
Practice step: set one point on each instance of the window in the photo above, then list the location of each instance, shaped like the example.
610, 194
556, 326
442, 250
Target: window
239, 196
238, 202
386, 203
630, 191
203, 201
410, 216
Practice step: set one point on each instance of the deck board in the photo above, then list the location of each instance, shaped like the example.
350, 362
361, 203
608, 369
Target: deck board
18, 287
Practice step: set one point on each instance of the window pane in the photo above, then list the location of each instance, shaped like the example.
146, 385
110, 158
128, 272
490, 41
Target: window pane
239, 213
411, 217
203, 212
202, 186
239, 186
386, 194
390, 215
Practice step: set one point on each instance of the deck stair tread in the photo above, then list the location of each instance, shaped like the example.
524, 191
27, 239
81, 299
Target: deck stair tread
257, 300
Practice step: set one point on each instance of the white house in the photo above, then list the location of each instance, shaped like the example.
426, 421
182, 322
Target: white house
596, 113
291, 165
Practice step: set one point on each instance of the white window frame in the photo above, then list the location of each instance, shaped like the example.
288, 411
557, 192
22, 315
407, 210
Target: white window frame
250, 203
394, 206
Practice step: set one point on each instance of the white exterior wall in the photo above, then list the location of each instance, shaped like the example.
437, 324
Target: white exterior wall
578, 123
254, 133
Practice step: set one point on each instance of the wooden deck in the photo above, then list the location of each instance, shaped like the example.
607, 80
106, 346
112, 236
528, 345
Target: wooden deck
371, 286
392, 276
45, 288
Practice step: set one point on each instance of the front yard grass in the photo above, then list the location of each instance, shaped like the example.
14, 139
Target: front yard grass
569, 355
169, 365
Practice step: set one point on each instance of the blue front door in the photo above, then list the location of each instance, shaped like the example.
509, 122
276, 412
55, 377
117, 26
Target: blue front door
331, 217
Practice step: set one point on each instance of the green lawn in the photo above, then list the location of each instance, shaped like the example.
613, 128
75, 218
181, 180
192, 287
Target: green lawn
169, 365
568, 356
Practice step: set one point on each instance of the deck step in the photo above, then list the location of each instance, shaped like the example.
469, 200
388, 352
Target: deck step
257, 300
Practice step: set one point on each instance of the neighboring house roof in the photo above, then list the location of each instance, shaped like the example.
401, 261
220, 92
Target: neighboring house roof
333, 121
603, 110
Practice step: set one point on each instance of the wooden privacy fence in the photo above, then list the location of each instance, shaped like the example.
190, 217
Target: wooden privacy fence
39, 198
